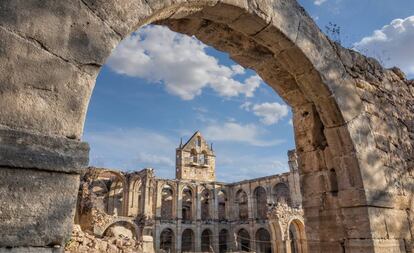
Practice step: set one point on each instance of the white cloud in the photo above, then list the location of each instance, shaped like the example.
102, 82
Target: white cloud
269, 113
180, 62
319, 2
235, 132
393, 44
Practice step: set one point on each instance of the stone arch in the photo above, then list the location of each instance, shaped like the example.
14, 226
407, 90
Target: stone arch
206, 241
206, 201
242, 205
135, 196
124, 228
296, 236
278, 236
167, 240
263, 241
222, 205
281, 194
188, 203
50, 86
224, 238
260, 203
187, 240
243, 240
167, 202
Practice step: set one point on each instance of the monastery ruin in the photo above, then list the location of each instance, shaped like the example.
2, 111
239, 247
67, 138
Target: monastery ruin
194, 213
353, 119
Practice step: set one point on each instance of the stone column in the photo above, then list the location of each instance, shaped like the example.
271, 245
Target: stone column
39, 182
197, 239
178, 235
179, 200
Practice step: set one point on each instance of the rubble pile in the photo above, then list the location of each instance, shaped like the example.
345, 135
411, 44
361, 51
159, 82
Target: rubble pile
82, 242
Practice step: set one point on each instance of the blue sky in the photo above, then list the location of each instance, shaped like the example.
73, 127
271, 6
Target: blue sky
159, 86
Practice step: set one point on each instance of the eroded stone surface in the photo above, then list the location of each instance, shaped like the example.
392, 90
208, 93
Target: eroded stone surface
355, 150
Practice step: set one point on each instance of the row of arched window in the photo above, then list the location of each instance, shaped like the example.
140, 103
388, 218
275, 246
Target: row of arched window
242, 241
280, 194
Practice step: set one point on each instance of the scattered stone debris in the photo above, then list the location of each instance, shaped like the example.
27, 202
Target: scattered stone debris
83, 242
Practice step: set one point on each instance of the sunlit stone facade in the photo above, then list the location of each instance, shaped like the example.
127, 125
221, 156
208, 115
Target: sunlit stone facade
194, 212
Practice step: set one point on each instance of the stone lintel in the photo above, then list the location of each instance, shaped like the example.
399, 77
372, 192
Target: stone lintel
20, 149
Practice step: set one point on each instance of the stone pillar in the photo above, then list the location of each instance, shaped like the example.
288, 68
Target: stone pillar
178, 235
147, 244
197, 239
157, 237
39, 181
158, 200
179, 201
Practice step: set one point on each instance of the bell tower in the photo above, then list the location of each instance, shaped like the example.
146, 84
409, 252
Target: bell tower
195, 160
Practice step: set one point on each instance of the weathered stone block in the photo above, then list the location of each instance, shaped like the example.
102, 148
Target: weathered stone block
37, 207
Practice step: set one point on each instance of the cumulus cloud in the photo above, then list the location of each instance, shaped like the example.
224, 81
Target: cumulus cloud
235, 132
269, 113
128, 149
393, 44
180, 62
319, 2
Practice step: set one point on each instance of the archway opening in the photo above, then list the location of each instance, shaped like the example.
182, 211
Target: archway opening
116, 197
222, 200
206, 241
297, 237
284, 74
167, 198
167, 241
263, 243
135, 197
187, 241
223, 241
281, 194
242, 205
260, 199
121, 229
243, 240
205, 204
187, 204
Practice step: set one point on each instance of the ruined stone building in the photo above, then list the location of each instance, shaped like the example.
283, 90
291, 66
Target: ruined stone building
353, 122
194, 212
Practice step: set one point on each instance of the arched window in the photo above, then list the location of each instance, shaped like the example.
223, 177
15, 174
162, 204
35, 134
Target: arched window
203, 159
241, 202
222, 200
187, 241
116, 197
206, 239
135, 197
243, 240
260, 203
205, 204
223, 240
187, 203
263, 244
193, 156
167, 240
281, 194
199, 141
166, 202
